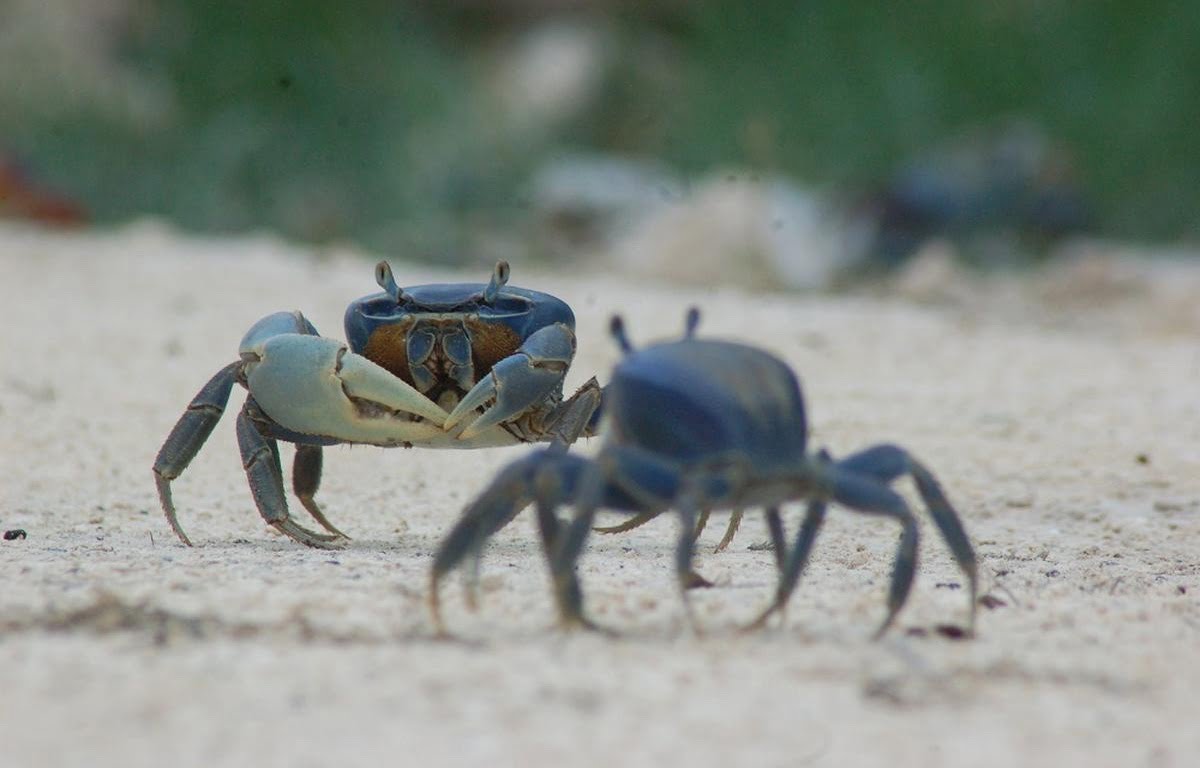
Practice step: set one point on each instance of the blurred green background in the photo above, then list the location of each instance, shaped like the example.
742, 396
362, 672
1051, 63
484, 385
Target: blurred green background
416, 127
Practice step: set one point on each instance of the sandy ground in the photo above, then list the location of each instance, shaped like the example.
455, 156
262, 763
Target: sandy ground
1069, 437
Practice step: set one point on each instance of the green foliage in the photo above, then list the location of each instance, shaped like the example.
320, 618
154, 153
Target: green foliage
365, 120
842, 91
300, 116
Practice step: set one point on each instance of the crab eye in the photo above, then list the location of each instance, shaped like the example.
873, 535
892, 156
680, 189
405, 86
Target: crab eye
387, 281
616, 327
498, 281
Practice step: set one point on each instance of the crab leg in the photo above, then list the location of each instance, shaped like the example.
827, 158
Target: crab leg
778, 543
306, 479
507, 495
188, 436
793, 565
884, 463
568, 544
701, 522
865, 495
260, 457
637, 521
685, 549
550, 478
519, 380
735, 520
623, 478
576, 417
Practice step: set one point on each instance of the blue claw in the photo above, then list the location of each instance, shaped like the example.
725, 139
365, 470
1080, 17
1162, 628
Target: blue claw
518, 381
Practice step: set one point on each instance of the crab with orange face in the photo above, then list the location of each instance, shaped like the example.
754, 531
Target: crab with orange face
464, 365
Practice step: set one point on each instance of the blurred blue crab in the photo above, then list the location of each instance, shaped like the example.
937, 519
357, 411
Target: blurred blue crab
695, 425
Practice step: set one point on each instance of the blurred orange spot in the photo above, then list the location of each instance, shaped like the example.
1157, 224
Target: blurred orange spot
22, 198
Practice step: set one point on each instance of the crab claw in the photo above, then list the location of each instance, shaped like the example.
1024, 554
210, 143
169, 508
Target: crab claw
315, 386
518, 381
364, 379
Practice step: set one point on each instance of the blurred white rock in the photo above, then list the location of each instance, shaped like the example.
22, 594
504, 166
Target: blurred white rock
739, 230
933, 275
589, 202
546, 75
59, 58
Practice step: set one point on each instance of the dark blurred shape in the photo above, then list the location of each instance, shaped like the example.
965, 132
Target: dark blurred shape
24, 197
1010, 182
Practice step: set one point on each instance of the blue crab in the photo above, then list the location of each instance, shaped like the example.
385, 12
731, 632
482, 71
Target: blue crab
696, 425
441, 366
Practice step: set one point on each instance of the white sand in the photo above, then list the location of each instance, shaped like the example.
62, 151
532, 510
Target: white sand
121, 647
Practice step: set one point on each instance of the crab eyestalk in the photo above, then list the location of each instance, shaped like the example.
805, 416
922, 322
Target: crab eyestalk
498, 281
691, 322
387, 281
616, 328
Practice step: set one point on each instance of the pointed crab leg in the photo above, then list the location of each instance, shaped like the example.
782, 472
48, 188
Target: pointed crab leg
188, 436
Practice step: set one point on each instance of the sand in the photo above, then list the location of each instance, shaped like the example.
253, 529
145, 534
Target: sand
1066, 430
